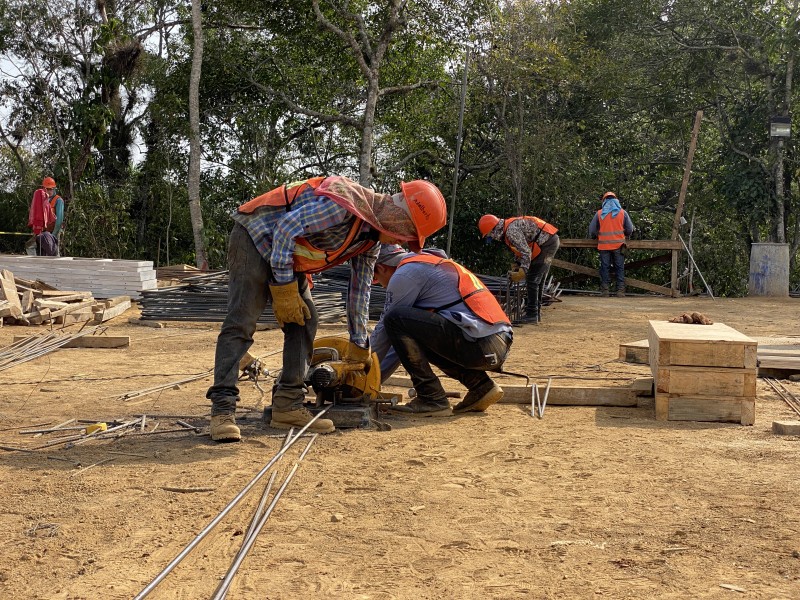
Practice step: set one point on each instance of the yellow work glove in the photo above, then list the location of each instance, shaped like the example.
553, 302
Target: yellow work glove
287, 304
356, 354
517, 274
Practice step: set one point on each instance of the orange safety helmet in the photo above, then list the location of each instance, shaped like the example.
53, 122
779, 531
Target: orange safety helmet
608, 195
427, 208
48, 182
486, 223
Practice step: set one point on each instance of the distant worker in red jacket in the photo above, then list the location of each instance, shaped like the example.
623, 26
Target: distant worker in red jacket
534, 242
612, 227
43, 219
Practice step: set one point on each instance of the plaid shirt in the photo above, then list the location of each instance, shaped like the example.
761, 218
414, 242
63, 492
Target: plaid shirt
324, 224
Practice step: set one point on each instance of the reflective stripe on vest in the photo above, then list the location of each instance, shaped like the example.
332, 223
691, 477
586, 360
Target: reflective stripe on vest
473, 293
53, 201
307, 257
612, 231
540, 223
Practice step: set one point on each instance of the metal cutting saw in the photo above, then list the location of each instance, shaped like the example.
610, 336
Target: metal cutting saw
354, 389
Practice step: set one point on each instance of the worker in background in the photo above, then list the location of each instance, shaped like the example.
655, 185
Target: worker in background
280, 238
57, 204
42, 220
534, 243
612, 227
438, 313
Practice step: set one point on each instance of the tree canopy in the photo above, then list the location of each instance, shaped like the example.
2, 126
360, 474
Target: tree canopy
564, 101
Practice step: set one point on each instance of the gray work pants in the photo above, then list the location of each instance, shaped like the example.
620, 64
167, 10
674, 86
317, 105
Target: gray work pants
248, 294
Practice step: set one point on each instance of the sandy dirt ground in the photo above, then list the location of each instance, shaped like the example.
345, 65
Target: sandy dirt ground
584, 503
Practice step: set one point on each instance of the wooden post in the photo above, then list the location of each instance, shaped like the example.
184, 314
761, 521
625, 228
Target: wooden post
682, 198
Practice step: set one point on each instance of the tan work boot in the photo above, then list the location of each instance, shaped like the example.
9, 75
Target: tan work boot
621, 292
479, 399
299, 417
224, 429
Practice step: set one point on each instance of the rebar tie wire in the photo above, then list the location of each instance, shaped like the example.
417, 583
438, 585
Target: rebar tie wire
215, 521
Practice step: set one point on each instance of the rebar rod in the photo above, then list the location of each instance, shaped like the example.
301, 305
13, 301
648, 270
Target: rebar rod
222, 590
199, 537
785, 394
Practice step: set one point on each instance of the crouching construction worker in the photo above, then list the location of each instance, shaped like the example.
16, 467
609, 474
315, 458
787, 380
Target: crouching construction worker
439, 313
534, 242
278, 239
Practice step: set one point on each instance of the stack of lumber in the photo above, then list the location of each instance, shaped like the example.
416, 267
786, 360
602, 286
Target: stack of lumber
703, 372
103, 277
26, 302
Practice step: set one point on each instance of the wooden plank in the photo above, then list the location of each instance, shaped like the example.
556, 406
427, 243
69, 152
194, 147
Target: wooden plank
558, 395
631, 244
637, 352
71, 308
79, 316
704, 408
26, 302
779, 362
110, 313
706, 381
572, 396
684, 344
629, 282
8, 291
92, 341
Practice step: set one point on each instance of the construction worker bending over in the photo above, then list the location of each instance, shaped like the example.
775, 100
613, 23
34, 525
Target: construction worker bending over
534, 242
439, 313
278, 239
612, 226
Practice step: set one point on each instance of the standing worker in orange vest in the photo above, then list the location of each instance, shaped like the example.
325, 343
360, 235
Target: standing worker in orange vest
44, 219
611, 226
438, 313
534, 242
281, 237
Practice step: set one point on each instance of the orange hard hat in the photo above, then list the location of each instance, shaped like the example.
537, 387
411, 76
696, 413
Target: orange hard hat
608, 195
48, 182
426, 206
486, 223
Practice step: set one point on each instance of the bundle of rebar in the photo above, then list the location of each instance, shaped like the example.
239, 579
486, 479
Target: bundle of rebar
38, 345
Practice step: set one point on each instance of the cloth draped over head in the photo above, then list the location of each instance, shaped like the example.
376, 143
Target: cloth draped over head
610, 205
379, 210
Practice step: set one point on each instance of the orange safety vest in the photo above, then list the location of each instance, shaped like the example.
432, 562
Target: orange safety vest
612, 231
540, 223
307, 257
473, 293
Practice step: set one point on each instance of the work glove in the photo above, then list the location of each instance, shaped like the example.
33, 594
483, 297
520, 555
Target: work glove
356, 354
288, 305
517, 274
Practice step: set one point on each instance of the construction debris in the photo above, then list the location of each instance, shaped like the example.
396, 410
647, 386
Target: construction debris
34, 302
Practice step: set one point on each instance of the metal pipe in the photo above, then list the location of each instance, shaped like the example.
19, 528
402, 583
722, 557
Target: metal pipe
199, 537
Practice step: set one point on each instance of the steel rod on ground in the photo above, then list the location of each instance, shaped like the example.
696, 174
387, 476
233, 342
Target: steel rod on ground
199, 537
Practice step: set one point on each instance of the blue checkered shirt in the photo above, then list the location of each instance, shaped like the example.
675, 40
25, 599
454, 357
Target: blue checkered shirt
324, 224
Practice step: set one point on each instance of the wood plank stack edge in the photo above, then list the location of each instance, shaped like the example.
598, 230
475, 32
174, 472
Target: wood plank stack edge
703, 372
104, 277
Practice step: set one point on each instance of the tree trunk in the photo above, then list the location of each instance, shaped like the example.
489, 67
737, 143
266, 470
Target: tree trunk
365, 153
195, 211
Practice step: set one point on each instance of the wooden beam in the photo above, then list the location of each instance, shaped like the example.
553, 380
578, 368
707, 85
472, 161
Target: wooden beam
91, 341
676, 223
562, 395
629, 282
632, 244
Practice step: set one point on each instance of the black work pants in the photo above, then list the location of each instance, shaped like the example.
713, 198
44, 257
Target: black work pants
422, 338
